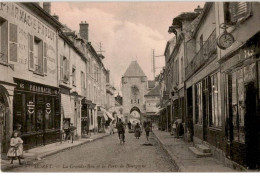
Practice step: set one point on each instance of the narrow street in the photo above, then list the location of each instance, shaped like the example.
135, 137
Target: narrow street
107, 155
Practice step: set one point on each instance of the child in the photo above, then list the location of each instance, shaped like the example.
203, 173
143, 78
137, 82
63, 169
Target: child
16, 148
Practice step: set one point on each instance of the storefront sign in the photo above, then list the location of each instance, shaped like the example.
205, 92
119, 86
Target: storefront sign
48, 108
34, 87
30, 107
15, 11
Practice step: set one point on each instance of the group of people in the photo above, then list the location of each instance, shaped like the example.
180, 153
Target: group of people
137, 129
68, 132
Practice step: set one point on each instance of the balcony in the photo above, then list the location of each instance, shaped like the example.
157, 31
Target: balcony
203, 56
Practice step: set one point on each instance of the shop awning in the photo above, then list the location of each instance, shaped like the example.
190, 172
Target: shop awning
66, 106
102, 113
110, 115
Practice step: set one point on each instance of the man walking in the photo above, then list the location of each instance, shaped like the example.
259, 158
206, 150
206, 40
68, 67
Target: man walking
120, 129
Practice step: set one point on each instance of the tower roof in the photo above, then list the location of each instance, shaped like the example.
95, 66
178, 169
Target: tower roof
134, 70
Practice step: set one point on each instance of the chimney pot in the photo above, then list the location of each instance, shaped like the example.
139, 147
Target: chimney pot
47, 7
83, 30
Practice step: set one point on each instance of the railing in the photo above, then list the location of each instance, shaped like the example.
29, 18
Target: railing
203, 55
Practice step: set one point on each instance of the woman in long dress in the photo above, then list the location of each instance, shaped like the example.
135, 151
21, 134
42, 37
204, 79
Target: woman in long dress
16, 148
137, 131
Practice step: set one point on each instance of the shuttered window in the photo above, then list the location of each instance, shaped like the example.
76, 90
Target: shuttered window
45, 58
31, 53
4, 41
236, 11
40, 56
13, 42
61, 67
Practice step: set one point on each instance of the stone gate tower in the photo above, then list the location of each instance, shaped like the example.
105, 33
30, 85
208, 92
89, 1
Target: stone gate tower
134, 87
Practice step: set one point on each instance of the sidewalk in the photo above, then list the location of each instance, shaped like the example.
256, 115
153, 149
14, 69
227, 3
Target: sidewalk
185, 160
50, 149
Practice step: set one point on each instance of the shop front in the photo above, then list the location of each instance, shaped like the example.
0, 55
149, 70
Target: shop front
242, 108
85, 120
37, 108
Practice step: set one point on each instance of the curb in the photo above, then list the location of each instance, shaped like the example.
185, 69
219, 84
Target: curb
39, 157
174, 159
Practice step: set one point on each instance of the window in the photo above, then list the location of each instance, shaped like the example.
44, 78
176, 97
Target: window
215, 119
236, 11
83, 80
13, 40
4, 41
74, 76
38, 55
64, 69
198, 105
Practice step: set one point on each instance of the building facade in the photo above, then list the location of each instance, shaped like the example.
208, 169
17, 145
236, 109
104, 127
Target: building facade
29, 94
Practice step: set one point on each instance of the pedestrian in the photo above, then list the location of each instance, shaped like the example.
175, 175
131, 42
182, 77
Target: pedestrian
120, 129
137, 131
71, 132
86, 129
129, 125
147, 131
16, 148
66, 129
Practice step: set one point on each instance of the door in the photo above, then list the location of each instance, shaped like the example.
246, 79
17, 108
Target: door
251, 133
3, 110
190, 111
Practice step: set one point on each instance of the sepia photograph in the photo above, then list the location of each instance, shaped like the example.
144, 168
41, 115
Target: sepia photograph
130, 86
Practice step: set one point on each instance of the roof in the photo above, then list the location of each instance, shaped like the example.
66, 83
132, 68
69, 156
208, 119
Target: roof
134, 70
185, 16
154, 92
151, 84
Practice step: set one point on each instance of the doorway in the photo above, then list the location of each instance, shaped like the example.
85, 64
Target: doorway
251, 127
3, 121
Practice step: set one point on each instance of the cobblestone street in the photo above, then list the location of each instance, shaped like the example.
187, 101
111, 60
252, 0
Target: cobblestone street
107, 155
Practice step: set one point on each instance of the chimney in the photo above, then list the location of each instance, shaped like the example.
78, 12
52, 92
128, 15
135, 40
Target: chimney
198, 9
47, 7
83, 30
56, 17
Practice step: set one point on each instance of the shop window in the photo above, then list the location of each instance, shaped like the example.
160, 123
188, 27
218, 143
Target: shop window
13, 40
198, 107
4, 41
38, 55
238, 105
236, 11
215, 119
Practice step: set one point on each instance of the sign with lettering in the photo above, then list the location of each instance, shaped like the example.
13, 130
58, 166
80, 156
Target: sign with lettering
30, 107
48, 108
34, 87
13, 10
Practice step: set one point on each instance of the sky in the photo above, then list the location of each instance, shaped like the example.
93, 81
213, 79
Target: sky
128, 30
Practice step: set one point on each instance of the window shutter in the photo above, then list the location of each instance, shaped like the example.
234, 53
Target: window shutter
4, 42
238, 10
31, 57
13, 42
45, 57
68, 69
40, 58
61, 68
